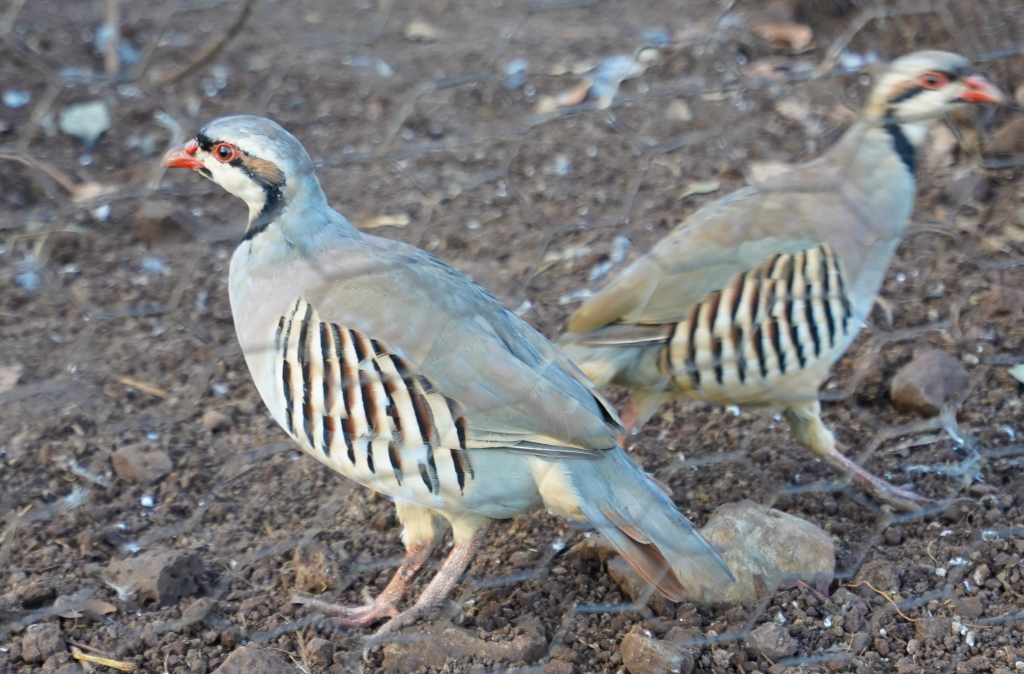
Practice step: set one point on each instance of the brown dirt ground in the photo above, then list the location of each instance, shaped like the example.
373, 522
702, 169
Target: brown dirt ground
444, 140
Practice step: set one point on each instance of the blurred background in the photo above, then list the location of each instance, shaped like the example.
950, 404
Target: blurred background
154, 514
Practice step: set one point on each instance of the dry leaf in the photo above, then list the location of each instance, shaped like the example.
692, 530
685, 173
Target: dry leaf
794, 36
9, 376
419, 30
700, 187
71, 607
396, 220
548, 104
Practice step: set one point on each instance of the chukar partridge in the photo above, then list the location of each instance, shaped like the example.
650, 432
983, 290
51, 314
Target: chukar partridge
401, 373
753, 298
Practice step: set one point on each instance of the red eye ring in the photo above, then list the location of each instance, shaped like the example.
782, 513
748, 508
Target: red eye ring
224, 152
933, 80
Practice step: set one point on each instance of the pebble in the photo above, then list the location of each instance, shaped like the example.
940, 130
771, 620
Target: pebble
160, 576
928, 382
87, 121
214, 420
16, 98
642, 654
250, 659
144, 467
41, 642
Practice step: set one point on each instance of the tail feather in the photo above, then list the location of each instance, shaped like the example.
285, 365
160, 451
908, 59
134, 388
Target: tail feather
642, 523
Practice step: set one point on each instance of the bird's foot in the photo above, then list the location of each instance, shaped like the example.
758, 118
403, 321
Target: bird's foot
356, 616
900, 499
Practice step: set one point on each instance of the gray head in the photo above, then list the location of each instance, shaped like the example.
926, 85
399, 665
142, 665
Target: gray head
924, 85
254, 159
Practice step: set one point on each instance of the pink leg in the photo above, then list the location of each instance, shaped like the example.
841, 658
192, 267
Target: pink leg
386, 604
810, 431
442, 583
901, 499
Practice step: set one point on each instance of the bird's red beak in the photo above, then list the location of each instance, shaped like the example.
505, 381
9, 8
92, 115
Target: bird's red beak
183, 157
982, 91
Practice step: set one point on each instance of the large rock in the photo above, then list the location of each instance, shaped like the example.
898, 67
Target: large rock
250, 659
160, 576
764, 548
460, 644
643, 655
928, 382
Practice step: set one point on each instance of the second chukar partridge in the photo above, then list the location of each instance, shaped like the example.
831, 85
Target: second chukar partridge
400, 372
752, 299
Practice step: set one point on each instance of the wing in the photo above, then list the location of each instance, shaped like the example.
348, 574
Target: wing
732, 236
408, 345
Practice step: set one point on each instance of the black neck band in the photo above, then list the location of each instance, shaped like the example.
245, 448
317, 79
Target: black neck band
904, 148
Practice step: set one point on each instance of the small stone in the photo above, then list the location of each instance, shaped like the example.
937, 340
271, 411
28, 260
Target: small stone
632, 585
528, 646
60, 663
764, 548
859, 642
144, 467
970, 608
42, 641
559, 667
160, 576
313, 571
880, 574
907, 666
250, 659
195, 662
771, 641
894, 535
85, 120
932, 379
678, 111
596, 547
321, 652
214, 420
932, 629
643, 655
520, 558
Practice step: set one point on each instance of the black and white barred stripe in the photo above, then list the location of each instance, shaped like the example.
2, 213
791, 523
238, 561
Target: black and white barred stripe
365, 411
775, 319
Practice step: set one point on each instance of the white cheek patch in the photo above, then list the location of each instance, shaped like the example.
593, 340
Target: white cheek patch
235, 181
926, 105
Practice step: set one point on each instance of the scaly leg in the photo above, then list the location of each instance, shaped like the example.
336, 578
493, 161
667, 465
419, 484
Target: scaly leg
386, 603
419, 538
441, 584
811, 432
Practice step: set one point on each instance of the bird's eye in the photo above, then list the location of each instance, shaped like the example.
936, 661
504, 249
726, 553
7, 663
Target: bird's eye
224, 152
933, 80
